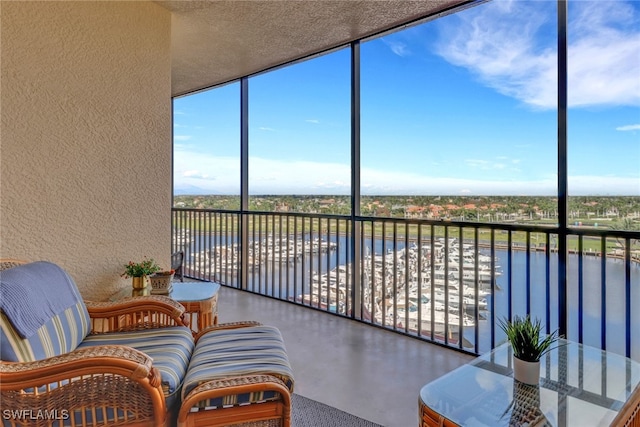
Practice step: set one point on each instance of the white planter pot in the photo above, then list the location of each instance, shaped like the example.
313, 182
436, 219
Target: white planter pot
161, 284
526, 372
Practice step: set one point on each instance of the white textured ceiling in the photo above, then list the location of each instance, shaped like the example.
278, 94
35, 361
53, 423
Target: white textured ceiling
217, 41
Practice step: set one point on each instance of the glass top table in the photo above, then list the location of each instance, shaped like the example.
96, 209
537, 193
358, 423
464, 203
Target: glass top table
579, 386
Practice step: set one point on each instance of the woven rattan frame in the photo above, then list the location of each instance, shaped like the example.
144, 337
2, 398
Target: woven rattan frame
629, 415
104, 380
270, 413
101, 379
274, 413
430, 418
136, 313
228, 325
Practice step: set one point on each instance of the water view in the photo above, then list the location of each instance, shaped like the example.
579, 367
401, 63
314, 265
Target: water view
431, 287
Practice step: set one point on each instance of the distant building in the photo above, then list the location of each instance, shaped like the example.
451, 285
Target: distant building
414, 211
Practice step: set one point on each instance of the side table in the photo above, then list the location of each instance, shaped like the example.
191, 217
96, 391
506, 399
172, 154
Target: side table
200, 300
579, 386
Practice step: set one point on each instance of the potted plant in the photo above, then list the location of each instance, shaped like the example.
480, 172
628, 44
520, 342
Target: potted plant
528, 345
139, 272
161, 282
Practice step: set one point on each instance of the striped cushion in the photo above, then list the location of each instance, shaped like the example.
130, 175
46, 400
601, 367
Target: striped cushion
236, 352
61, 334
170, 349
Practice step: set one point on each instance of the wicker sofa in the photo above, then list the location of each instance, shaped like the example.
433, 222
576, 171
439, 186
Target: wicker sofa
133, 362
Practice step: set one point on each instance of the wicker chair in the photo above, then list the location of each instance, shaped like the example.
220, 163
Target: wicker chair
60, 374
124, 363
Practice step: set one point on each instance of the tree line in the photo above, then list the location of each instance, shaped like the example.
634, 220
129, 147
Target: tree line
620, 212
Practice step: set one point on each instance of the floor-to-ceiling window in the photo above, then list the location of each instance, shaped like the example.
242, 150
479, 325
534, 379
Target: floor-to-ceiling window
603, 144
462, 106
299, 136
459, 124
206, 144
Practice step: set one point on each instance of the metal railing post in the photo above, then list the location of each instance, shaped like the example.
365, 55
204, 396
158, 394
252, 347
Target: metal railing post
356, 230
244, 183
562, 168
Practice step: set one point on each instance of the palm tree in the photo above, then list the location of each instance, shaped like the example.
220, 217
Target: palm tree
626, 224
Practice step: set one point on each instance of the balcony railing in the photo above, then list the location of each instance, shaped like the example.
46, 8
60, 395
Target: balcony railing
445, 282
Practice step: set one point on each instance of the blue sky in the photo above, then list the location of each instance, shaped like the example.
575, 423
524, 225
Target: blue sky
461, 105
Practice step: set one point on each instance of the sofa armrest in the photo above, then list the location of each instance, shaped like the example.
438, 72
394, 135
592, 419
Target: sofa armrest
86, 382
135, 313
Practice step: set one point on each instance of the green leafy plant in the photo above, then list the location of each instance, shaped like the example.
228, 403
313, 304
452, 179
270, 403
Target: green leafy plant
138, 269
525, 337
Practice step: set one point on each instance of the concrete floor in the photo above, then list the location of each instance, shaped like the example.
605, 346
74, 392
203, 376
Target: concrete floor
365, 371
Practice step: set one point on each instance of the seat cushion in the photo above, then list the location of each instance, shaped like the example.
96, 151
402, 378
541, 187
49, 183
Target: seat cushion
170, 348
238, 352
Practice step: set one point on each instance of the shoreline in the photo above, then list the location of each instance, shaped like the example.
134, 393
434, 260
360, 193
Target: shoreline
635, 259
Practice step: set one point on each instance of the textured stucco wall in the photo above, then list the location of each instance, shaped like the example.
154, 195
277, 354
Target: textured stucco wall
85, 137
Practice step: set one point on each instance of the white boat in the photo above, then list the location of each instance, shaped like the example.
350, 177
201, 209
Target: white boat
427, 322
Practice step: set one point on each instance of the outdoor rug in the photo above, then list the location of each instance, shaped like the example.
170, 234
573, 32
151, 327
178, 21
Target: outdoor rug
310, 413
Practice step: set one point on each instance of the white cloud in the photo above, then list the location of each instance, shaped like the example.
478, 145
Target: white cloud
487, 165
382, 182
266, 129
477, 163
195, 174
628, 127
498, 42
221, 175
205, 173
339, 185
607, 185
397, 47
314, 121
271, 176
182, 137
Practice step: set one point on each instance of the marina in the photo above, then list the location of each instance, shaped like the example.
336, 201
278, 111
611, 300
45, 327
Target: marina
415, 288
427, 290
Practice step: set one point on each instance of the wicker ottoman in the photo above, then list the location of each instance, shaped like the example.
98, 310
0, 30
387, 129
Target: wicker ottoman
239, 375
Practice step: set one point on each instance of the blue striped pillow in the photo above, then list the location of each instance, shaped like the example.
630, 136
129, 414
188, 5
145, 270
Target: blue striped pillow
61, 334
